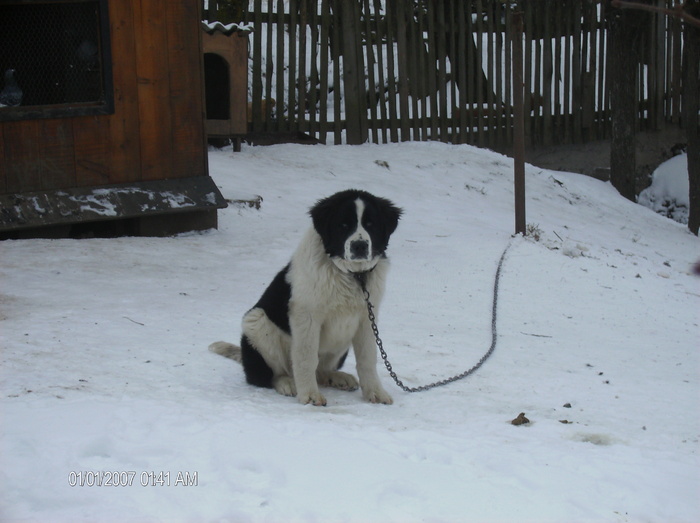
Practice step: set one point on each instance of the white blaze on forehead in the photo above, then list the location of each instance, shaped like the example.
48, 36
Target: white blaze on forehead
360, 207
360, 234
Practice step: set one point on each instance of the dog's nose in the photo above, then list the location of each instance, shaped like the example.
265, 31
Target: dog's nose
359, 249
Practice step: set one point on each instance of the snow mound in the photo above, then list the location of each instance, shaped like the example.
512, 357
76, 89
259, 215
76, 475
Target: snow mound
668, 193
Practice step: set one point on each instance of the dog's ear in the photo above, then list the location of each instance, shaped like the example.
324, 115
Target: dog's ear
391, 214
321, 213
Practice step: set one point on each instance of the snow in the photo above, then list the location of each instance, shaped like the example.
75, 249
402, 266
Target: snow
105, 371
669, 191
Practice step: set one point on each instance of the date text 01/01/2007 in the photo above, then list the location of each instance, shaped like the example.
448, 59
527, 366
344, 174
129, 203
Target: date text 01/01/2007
128, 478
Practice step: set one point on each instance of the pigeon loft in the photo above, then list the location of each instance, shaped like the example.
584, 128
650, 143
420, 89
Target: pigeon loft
103, 129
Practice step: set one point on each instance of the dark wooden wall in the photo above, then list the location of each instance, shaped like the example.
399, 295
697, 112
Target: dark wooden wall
157, 129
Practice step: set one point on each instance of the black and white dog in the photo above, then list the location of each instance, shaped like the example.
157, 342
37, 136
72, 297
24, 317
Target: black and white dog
297, 336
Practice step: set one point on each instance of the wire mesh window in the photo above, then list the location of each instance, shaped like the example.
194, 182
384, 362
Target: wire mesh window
54, 59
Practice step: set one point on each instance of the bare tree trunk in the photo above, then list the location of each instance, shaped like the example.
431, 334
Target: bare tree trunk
691, 42
622, 59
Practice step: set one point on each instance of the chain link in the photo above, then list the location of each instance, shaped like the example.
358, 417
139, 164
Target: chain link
362, 278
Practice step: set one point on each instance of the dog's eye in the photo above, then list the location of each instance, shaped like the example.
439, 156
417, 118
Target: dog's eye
345, 226
369, 224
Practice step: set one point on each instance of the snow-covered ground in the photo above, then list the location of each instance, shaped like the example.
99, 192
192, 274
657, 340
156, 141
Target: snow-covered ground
105, 375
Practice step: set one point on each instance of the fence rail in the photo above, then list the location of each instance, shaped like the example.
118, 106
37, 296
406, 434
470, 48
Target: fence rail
352, 71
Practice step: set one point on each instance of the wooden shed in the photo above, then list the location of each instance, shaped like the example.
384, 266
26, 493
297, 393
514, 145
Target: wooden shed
109, 134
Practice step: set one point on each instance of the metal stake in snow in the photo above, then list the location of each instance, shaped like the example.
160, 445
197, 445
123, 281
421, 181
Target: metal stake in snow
518, 124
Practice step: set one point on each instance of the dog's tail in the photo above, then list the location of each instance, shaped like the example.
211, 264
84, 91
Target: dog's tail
227, 350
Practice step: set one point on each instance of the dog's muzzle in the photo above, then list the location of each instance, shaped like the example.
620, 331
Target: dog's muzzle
359, 250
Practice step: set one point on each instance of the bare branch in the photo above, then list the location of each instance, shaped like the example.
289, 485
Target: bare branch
678, 11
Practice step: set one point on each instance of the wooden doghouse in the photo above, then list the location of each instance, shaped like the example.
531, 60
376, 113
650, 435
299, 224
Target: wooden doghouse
226, 80
109, 136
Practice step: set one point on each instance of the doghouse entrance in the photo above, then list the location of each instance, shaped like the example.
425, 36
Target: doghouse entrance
217, 87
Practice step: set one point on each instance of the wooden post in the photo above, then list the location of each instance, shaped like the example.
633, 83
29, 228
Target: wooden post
690, 117
353, 76
518, 124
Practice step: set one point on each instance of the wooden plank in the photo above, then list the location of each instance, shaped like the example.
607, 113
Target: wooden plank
527, 76
302, 97
125, 146
577, 90
499, 104
391, 72
432, 107
380, 29
155, 119
659, 69
36, 155
292, 71
422, 65
267, 123
507, 102
452, 29
323, 129
239, 84
257, 69
92, 142
441, 93
279, 67
108, 202
677, 72
371, 61
490, 73
3, 161
360, 68
22, 155
57, 156
589, 72
314, 93
402, 49
419, 87
567, 79
547, 76
558, 79
336, 45
186, 96
537, 105
472, 81
480, 95
600, 68
353, 77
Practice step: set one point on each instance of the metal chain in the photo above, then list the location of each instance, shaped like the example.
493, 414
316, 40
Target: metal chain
362, 277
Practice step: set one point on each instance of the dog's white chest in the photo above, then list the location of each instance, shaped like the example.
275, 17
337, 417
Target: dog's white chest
338, 330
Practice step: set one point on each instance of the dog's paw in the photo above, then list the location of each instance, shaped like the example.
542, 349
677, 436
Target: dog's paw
285, 385
378, 395
314, 397
340, 380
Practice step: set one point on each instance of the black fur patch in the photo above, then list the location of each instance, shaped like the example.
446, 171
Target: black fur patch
275, 300
257, 371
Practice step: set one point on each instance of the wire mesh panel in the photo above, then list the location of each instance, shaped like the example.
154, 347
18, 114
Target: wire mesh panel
51, 54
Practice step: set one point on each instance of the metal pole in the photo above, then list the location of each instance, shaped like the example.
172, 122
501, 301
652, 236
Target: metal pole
518, 124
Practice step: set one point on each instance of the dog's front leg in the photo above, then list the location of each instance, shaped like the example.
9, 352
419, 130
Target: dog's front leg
366, 355
306, 332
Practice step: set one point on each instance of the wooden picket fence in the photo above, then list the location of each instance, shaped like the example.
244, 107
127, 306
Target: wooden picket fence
352, 71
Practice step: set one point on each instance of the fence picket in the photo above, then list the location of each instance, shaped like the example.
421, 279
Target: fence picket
388, 71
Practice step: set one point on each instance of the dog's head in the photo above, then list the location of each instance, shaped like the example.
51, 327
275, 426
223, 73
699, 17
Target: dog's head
355, 227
